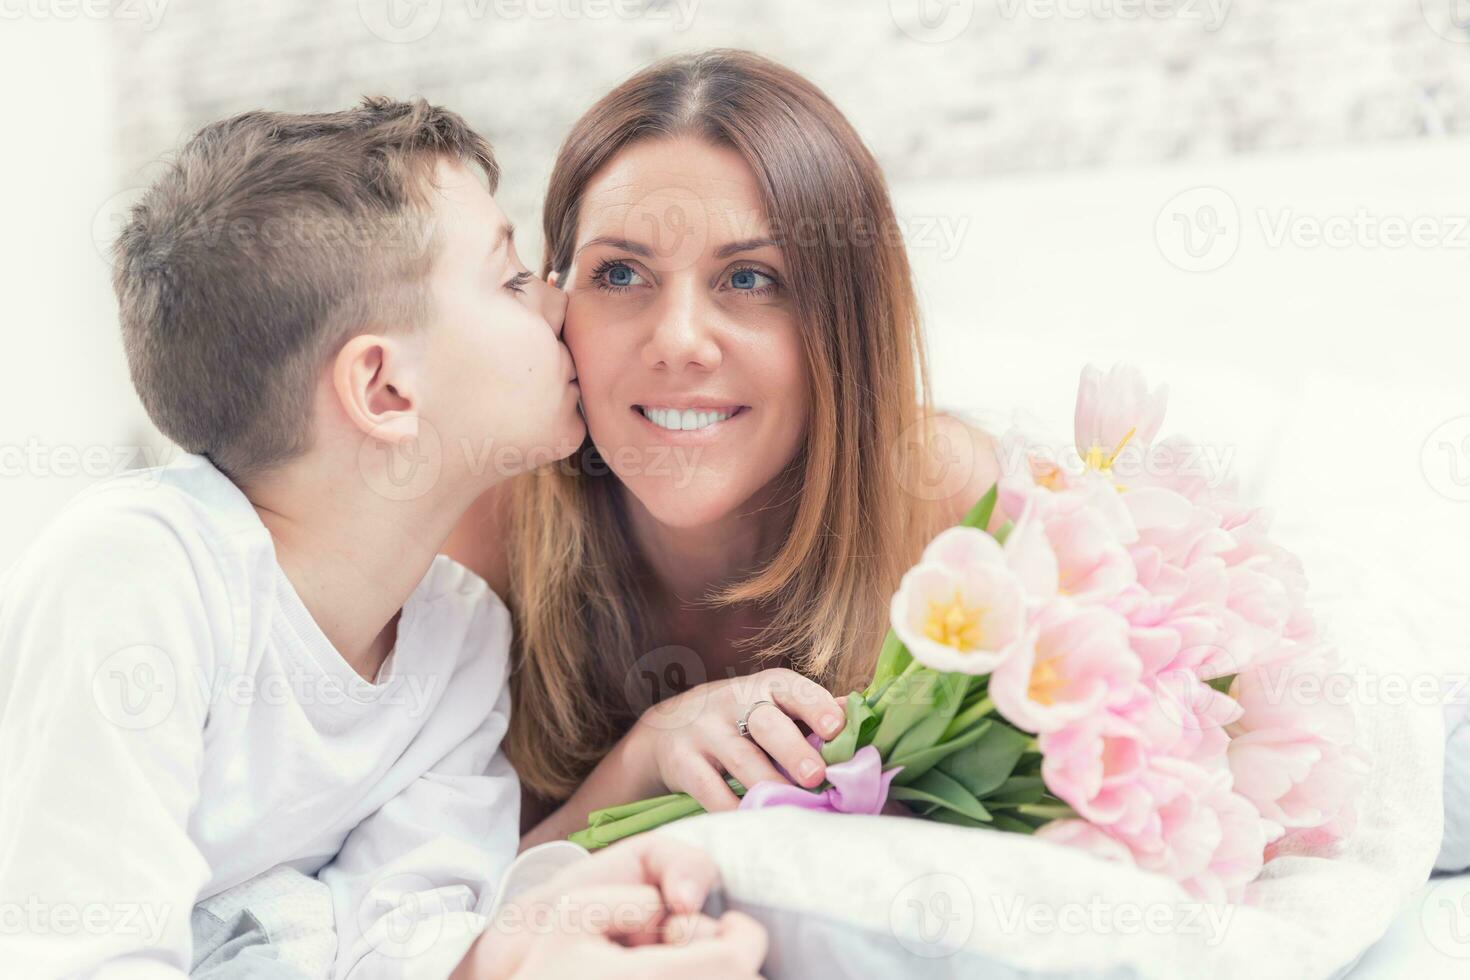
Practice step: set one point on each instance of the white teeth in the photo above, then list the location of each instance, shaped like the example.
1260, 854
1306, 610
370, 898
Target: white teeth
687, 420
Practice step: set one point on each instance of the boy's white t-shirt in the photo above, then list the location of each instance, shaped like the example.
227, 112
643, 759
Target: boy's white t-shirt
173, 722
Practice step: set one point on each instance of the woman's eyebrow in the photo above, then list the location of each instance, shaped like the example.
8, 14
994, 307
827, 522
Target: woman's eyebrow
628, 246
748, 245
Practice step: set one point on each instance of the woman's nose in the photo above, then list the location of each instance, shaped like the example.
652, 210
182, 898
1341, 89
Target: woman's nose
681, 338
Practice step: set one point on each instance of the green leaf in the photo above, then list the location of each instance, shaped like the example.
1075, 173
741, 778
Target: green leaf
902, 707
917, 764
986, 765
861, 721
603, 834
1222, 683
935, 787
892, 659
1003, 532
1038, 814
611, 813
948, 692
1016, 791
1005, 822
612, 824
979, 515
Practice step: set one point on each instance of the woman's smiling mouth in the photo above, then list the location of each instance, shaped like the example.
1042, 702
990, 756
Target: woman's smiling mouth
687, 419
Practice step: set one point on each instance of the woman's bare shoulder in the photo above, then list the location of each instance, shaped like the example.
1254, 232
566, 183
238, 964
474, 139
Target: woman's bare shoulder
478, 541
971, 456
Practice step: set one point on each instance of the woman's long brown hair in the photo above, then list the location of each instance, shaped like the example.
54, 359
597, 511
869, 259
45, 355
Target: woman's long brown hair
581, 622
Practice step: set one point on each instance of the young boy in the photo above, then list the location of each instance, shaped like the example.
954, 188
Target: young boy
253, 658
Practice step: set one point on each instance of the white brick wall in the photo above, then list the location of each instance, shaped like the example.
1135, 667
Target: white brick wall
1022, 85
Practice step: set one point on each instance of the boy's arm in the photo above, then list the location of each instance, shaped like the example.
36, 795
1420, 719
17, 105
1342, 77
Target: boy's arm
105, 635
412, 882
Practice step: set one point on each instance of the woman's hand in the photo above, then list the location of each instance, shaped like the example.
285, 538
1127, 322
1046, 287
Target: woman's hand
692, 740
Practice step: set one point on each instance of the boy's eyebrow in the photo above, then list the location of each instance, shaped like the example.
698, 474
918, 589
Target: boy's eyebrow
504, 236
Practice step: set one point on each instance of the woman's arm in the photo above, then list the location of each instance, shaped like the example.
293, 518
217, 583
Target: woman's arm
688, 743
625, 774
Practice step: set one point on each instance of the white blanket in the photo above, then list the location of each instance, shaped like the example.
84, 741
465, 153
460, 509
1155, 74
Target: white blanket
1454, 852
883, 896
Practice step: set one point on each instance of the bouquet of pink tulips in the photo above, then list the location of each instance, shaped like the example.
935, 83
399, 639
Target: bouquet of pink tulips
1124, 664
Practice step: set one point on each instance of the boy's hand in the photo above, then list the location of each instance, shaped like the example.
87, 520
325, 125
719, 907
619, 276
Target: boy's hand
630, 911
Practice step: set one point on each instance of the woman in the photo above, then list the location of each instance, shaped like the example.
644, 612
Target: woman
756, 476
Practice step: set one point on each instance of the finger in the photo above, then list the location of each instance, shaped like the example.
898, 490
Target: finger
778, 735
613, 910
804, 699
745, 760
698, 777
682, 873
681, 929
736, 950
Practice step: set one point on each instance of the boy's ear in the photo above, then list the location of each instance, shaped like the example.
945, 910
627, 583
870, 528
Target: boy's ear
376, 380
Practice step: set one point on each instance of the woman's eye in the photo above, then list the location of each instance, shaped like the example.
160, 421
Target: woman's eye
517, 282
616, 276
751, 281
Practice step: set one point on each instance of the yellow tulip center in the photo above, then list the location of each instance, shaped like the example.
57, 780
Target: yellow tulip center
1098, 458
1048, 475
1044, 683
954, 624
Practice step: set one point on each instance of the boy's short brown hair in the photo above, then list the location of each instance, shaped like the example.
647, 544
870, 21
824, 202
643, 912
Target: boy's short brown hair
272, 239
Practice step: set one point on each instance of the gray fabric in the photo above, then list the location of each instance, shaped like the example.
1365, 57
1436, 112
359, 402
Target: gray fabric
808, 945
277, 926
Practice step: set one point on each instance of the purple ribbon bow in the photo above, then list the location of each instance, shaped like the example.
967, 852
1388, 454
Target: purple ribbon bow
858, 785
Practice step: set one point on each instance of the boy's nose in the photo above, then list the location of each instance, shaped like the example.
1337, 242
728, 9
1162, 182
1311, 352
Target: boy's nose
553, 306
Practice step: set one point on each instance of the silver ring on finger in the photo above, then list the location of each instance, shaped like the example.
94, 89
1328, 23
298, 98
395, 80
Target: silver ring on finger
743, 725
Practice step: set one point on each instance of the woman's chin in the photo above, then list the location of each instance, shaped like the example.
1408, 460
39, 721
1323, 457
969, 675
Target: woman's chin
685, 503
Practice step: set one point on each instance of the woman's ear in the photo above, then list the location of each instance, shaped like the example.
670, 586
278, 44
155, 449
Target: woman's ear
376, 381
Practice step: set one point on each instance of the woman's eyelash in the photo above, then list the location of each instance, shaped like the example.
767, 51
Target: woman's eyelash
600, 271
770, 287
517, 282
599, 278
